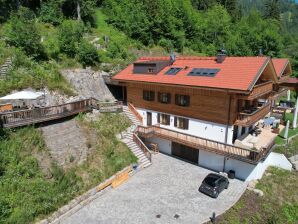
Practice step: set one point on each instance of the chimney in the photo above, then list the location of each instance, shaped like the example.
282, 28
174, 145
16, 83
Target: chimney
172, 58
221, 56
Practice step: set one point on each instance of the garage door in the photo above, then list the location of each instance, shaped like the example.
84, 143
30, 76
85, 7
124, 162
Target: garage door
185, 152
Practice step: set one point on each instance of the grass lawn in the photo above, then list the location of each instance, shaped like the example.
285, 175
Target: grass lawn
27, 193
280, 140
279, 205
289, 150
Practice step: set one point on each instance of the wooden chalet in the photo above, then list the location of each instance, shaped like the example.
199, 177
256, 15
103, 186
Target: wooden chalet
198, 108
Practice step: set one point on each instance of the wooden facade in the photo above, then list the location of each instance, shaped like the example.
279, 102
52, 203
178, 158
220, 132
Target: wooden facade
205, 104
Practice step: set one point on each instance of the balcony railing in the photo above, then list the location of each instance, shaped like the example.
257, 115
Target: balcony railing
248, 118
107, 107
259, 90
231, 151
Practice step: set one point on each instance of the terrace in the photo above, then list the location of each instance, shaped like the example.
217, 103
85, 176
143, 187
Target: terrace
245, 154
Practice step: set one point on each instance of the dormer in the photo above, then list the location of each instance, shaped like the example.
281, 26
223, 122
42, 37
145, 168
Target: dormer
150, 67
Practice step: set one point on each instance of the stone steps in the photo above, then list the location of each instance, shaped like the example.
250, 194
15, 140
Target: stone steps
128, 139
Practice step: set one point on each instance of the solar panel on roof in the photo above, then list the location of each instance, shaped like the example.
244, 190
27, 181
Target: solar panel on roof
173, 71
206, 72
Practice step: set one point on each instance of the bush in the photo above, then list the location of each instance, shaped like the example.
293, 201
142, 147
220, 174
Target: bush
70, 35
22, 32
50, 12
87, 54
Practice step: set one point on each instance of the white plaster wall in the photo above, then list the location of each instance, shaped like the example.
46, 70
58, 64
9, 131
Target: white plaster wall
242, 170
249, 172
164, 146
203, 129
211, 161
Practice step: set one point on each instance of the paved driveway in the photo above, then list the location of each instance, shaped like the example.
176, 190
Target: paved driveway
167, 188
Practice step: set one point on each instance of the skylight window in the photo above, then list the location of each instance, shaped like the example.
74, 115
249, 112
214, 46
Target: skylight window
204, 72
173, 71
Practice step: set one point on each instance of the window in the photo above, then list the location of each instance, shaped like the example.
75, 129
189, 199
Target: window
164, 97
148, 95
207, 72
163, 119
182, 100
182, 123
150, 70
173, 71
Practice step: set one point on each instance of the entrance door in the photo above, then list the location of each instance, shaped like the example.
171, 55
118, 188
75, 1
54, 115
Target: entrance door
149, 118
185, 152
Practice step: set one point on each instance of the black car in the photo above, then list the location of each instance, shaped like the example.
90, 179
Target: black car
213, 184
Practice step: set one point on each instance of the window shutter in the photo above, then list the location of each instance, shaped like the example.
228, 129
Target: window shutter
176, 99
152, 97
169, 97
168, 120
175, 121
187, 100
158, 118
159, 97
186, 124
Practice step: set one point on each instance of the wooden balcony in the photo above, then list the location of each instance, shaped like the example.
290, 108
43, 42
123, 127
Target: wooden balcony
248, 118
231, 151
258, 91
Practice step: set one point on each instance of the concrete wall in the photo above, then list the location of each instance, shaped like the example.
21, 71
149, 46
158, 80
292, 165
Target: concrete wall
203, 129
214, 162
211, 161
244, 171
164, 146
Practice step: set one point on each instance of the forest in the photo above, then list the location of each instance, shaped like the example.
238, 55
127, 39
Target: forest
243, 27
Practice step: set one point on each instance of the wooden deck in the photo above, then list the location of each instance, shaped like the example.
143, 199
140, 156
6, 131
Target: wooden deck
231, 151
38, 115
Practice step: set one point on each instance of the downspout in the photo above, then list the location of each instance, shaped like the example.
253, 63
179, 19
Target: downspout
229, 116
227, 128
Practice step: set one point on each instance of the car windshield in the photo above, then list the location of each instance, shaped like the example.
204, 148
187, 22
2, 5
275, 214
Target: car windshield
210, 180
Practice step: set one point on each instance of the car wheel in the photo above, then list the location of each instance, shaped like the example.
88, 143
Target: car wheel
227, 186
216, 195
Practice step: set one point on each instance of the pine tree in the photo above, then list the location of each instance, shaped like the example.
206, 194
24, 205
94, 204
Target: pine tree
272, 9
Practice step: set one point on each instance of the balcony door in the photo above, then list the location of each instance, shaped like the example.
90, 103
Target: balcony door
149, 118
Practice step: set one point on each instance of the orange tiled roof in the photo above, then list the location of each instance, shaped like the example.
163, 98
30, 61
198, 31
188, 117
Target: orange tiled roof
280, 65
236, 73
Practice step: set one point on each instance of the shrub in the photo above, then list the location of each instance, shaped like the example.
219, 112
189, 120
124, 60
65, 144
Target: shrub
70, 35
50, 12
87, 54
22, 32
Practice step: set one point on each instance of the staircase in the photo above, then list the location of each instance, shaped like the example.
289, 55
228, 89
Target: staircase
4, 69
131, 116
127, 138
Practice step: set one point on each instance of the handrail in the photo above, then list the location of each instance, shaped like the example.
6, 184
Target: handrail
244, 154
135, 112
142, 146
37, 115
259, 90
248, 119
